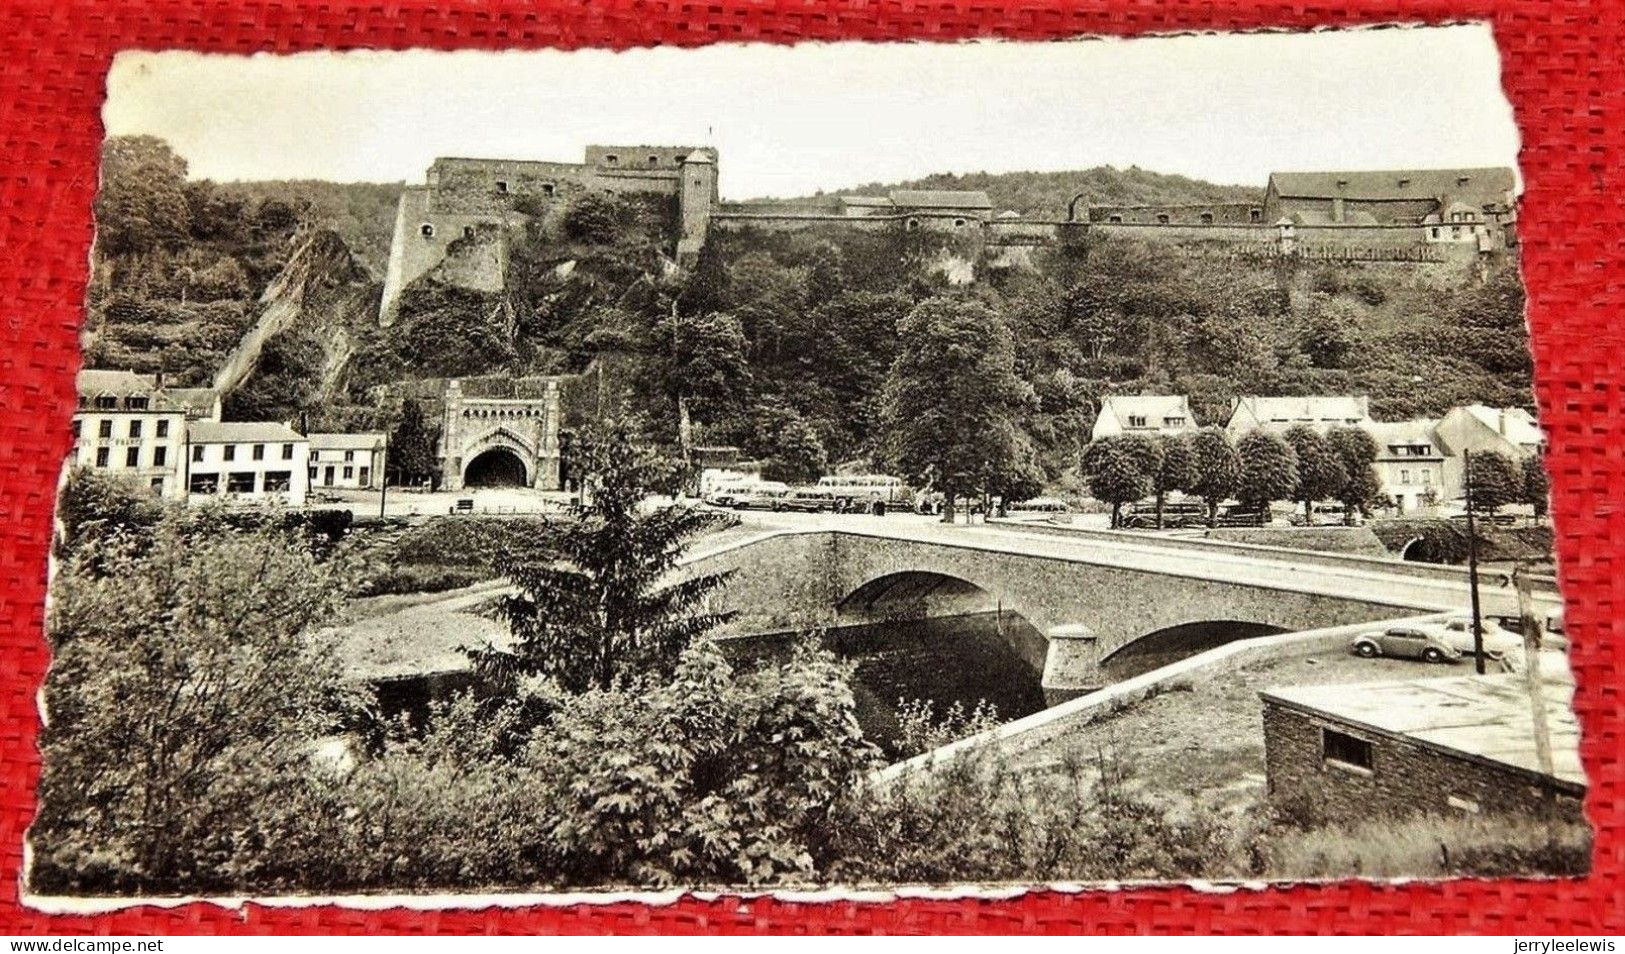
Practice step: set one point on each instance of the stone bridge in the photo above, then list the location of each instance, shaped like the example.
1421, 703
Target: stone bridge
1088, 597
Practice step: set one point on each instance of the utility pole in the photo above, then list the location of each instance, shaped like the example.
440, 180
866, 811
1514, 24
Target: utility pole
383, 477
1472, 566
1531, 668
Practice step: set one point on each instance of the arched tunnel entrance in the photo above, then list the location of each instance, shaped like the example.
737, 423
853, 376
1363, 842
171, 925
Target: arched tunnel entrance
1166, 646
497, 467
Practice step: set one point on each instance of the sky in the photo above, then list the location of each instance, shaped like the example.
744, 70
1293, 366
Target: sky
791, 120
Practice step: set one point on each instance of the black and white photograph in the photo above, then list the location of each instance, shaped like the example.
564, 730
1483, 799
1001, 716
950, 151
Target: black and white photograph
839, 467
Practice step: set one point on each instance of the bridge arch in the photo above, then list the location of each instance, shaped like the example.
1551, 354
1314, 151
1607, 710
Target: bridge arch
498, 466
1170, 644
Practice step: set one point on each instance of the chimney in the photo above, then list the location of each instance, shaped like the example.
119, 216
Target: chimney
1501, 420
158, 380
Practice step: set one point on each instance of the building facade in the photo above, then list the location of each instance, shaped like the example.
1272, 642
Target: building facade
347, 461
1395, 197
247, 461
1353, 754
132, 426
1474, 427
1277, 414
502, 440
1410, 463
1148, 414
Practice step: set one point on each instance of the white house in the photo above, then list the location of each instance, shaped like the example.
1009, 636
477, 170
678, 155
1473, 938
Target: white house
247, 460
1410, 463
1149, 414
131, 425
347, 461
1511, 431
1278, 414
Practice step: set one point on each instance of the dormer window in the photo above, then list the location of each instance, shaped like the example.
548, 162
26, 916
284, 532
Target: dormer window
1342, 183
547, 188
1118, 219
106, 402
654, 160
468, 231
1136, 420
1463, 180
136, 402
502, 187
426, 230
1174, 421
1255, 215
1403, 183
612, 160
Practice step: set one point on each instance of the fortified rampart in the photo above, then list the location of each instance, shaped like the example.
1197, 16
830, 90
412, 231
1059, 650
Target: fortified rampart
455, 228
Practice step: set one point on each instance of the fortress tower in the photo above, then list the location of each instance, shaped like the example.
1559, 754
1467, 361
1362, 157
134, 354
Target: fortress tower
456, 226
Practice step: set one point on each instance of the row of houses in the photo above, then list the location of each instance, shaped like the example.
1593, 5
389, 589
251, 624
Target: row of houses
1418, 461
172, 441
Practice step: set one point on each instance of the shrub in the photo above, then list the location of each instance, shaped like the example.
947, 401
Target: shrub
1429, 847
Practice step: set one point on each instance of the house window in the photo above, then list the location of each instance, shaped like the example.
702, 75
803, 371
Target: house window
1207, 218
1174, 421
132, 457
349, 456
1136, 420
240, 482
1345, 749
229, 452
1162, 218
1435, 231
654, 160
135, 428
1255, 215
1115, 218
157, 485
104, 429
287, 452
204, 484
76, 425
101, 457
163, 428
136, 402
278, 481
197, 454
313, 474
259, 451
107, 402
1427, 476
612, 160
349, 473
427, 230
1404, 475
160, 456
365, 477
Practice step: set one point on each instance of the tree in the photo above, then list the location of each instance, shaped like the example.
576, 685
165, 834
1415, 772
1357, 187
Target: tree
183, 684
700, 360
793, 451
1356, 450
1217, 469
1321, 474
141, 206
952, 398
1120, 469
96, 504
1536, 485
1269, 470
598, 608
1494, 480
1176, 472
411, 446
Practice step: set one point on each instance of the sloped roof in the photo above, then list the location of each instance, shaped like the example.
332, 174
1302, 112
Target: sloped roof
355, 441
1153, 407
240, 432
1418, 431
1318, 217
941, 199
1314, 408
1514, 423
1482, 717
200, 400
1369, 185
93, 381
866, 200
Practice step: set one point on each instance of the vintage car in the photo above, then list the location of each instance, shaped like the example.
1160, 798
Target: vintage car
1185, 513
809, 500
1427, 643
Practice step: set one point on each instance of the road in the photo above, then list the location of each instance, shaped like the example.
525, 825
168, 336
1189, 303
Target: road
1361, 578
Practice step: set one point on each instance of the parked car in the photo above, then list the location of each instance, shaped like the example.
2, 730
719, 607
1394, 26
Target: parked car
1239, 515
1038, 506
1184, 513
1499, 641
808, 500
1325, 515
759, 499
1426, 643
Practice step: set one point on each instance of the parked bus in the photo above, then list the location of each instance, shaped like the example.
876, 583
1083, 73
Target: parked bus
867, 488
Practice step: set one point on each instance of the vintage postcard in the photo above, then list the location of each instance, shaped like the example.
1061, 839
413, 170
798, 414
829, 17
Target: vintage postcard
850, 466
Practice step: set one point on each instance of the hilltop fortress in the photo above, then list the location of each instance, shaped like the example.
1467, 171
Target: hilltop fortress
456, 228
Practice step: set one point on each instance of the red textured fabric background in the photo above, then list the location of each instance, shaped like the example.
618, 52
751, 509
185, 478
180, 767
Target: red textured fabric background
1564, 70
